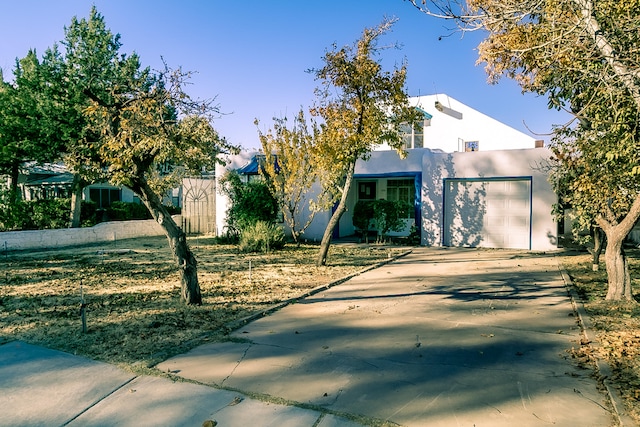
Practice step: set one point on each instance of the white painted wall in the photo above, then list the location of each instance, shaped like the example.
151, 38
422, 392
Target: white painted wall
494, 164
445, 130
104, 232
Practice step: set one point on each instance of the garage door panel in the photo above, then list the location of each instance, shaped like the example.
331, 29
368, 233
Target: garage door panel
488, 213
519, 222
519, 204
495, 222
496, 204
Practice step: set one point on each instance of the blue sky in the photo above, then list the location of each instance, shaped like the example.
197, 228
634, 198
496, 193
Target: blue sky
253, 55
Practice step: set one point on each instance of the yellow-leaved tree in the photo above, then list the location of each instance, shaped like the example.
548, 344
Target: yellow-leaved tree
135, 127
584, 56
290, 170
360, 106
151, 135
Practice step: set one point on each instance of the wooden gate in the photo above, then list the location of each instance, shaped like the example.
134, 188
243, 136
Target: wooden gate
199, 205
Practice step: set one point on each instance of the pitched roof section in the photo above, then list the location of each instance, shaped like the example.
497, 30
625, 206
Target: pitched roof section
254, 165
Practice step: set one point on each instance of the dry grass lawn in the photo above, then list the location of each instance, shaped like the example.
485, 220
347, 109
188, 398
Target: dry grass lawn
134, 315
617, 325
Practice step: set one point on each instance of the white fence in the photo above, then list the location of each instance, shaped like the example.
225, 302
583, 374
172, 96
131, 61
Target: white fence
64, 237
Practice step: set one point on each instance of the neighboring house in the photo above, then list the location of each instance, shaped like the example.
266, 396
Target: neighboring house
51, 181
473, 182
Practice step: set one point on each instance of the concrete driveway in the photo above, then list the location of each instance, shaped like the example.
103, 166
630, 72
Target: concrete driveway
441, 337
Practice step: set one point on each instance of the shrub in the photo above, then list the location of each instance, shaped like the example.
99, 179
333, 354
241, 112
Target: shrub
389, 215
363, 216
88, 213
122, 211
174, 210
250, 202
381, 215
48, 214
261, 236
12, 211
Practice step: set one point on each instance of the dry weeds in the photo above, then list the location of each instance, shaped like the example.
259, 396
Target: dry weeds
135, 317
134, 314
616, 324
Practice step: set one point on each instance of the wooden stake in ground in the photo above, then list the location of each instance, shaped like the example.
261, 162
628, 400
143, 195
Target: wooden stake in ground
83, 310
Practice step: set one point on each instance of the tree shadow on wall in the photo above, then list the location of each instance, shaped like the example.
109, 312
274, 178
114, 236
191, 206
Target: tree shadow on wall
464, 212
453, 208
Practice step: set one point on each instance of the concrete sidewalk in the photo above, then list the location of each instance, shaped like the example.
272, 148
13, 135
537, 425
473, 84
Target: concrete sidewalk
441, 337
43, 387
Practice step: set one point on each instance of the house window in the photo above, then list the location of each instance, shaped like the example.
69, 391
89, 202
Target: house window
402, 190
413, 136
471, 146
367, 190
103, 197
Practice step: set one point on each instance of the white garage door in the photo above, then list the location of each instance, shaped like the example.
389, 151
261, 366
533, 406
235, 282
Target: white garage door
487, 213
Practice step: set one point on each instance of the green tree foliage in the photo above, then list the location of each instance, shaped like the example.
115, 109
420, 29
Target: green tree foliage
251, 202
584, 56
290, 170
361, 106
91, 65
140, 129
23, 111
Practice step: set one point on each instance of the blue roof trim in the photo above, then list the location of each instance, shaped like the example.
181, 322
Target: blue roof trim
250, 168
387, 174
253, 167
424, 113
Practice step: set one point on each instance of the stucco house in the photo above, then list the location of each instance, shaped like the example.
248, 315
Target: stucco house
473, 182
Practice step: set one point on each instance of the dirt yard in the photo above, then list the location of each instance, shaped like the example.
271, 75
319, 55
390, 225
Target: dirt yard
617, 325
130, 288
134, 316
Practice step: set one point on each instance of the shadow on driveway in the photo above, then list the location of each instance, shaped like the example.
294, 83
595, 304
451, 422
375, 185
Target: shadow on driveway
437, 338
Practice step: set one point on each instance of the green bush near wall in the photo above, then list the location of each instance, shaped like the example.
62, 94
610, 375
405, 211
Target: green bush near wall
121, 211
380, 215
18, 214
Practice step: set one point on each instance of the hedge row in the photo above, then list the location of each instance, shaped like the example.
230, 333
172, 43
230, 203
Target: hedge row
55, 213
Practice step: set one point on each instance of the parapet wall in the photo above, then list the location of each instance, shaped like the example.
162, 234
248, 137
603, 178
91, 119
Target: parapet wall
60, 238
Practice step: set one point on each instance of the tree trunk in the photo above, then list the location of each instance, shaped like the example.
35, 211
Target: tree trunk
76, 201
598, 245
335, 218
618, 277
187, 264
13, 178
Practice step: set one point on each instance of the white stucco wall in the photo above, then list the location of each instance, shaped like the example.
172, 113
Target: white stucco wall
447, 130
495, 164
105, 232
